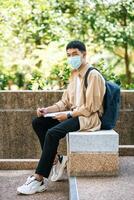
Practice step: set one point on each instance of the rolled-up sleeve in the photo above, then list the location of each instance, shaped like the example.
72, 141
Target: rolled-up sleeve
93, 95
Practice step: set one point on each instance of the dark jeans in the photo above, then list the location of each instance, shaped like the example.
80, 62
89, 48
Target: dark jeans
49, 132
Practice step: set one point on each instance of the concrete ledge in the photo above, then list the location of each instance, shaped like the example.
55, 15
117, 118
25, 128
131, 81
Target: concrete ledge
126, 150
98, 141
21, 164
73, 191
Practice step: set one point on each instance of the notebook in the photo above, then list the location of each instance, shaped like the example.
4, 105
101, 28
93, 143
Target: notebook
56, 113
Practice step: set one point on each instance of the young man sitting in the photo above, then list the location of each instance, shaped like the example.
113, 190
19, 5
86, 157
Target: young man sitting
85, 105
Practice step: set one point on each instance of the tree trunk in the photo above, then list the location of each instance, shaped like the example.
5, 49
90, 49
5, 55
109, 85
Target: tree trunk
126, 57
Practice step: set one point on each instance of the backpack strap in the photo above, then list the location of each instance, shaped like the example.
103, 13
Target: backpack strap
87, 73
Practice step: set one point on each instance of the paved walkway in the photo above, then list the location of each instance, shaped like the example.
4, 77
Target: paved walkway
11, 179
109, 188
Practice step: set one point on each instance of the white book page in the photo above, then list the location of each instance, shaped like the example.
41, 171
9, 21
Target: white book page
56, 113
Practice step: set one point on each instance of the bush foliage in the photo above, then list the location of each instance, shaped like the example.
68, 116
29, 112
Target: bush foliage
34, 34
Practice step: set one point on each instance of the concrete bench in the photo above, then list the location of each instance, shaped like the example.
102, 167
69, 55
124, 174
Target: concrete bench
93, 153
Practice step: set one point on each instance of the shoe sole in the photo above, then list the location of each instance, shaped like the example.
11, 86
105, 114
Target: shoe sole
32, 192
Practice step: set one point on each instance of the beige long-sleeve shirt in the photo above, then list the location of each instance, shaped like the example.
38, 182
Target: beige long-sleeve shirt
90, 99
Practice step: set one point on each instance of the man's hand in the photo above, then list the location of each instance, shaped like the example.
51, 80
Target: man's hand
60, 117
41, 111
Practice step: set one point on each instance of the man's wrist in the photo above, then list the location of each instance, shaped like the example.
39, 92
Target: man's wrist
69, 115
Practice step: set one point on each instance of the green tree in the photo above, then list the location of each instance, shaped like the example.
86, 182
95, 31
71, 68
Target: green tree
113, 25
28, 28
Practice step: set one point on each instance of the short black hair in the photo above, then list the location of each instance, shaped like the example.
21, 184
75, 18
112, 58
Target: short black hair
76, 44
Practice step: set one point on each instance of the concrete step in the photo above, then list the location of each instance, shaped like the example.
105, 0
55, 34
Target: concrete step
106, 188
18, 164
126, 150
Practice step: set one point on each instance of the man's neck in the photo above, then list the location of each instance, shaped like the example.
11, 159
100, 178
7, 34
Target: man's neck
82, 66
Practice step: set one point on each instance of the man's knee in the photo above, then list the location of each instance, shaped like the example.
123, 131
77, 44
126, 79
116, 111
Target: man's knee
35, 122
50, 133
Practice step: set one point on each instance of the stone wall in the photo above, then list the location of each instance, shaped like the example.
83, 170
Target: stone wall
18, 140
125, 123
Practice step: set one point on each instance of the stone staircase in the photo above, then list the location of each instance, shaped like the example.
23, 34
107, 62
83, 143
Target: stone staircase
20, 151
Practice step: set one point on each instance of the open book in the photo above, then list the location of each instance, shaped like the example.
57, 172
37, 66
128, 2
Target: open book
56, 113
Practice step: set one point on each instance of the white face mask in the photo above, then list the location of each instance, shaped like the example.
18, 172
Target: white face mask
75, 62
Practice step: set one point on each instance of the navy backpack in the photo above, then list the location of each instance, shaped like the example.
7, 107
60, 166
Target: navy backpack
111, 102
